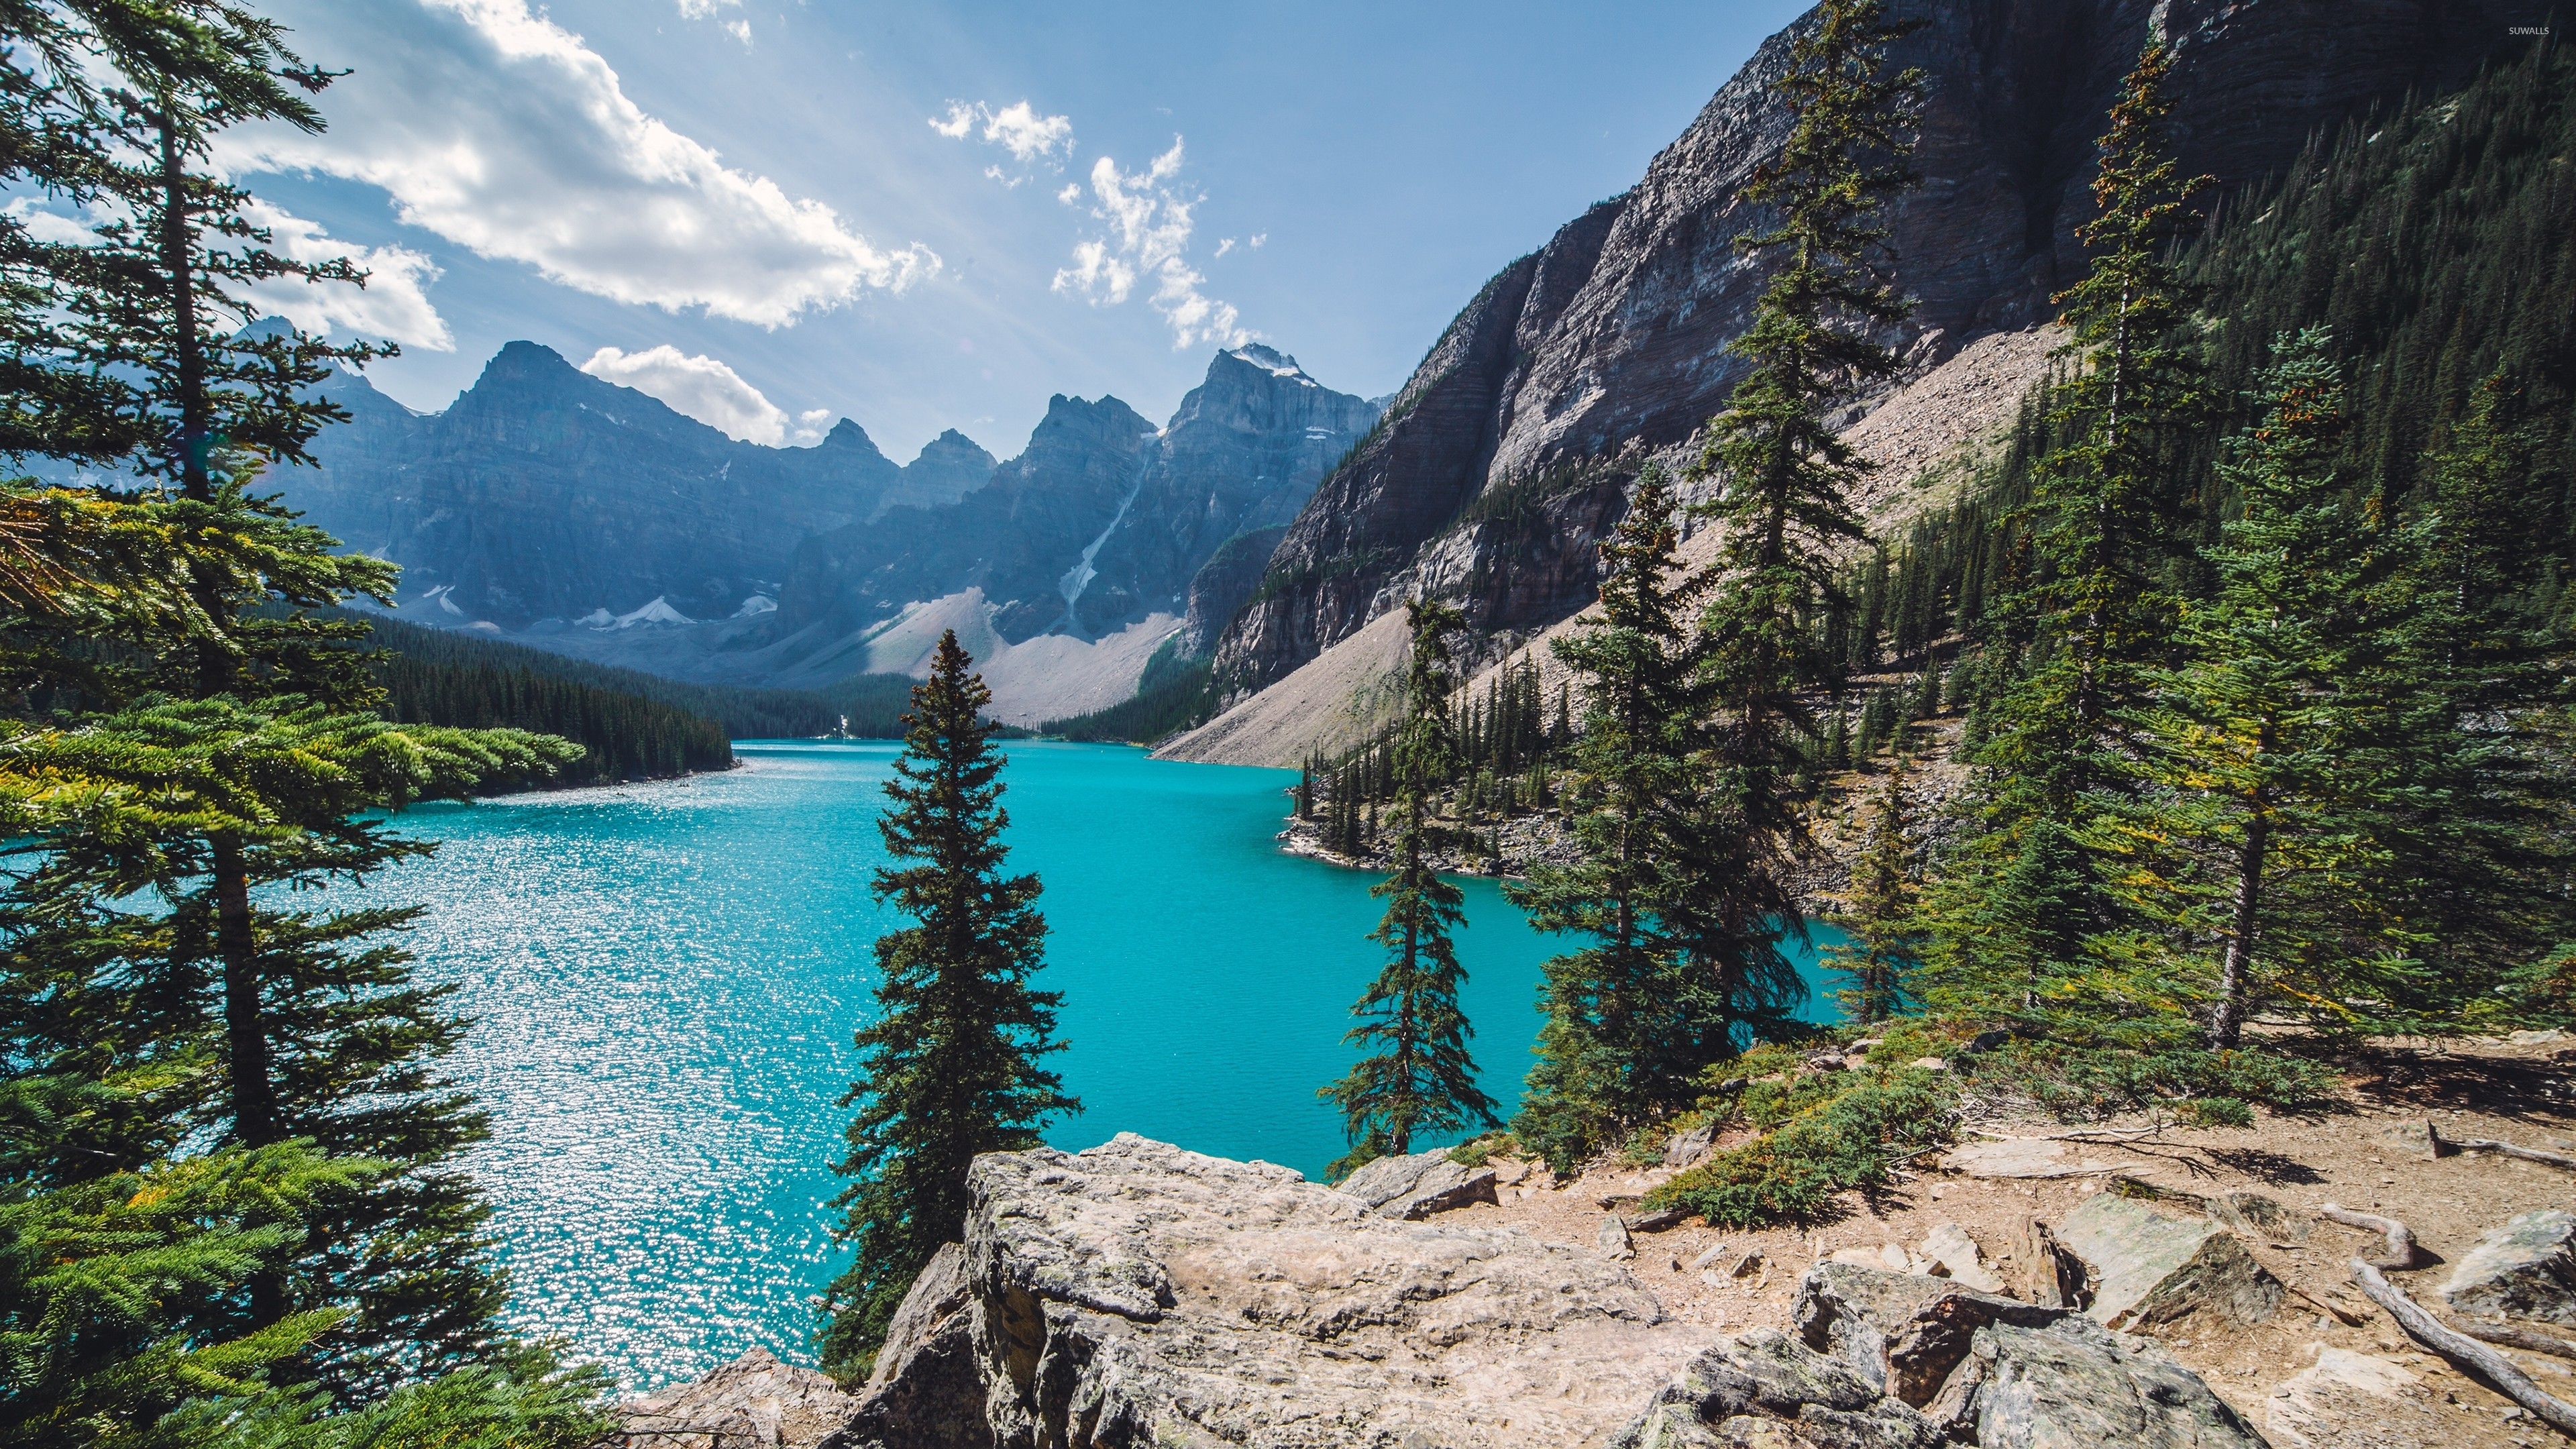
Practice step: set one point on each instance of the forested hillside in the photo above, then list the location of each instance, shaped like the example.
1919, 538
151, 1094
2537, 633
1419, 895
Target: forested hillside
2242, 668
439, 664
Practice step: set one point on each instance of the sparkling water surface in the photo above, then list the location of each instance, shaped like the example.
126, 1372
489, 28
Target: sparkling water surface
664, 978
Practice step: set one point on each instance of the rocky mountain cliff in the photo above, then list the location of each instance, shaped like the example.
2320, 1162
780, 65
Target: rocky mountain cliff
1505, 458
545, 492
589, 519
1104, 519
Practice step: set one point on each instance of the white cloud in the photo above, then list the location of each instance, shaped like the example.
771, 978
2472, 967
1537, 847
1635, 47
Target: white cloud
1149, 221
703, 9
1071, 193
1222, 248
707, 390
739, 30
1016, 128
502, 132
394, 303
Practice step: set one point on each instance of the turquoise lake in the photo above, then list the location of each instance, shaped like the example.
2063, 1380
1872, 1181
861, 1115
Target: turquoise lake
663, 980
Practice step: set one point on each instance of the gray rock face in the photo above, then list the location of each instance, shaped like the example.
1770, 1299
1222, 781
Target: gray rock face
1103, 518
1883, 1360
1414, 1187
1223, 585
754, 1402
2526, 1268
2150, 1267
1502, 460
1138, 1294
1768, 1388
2075, 1384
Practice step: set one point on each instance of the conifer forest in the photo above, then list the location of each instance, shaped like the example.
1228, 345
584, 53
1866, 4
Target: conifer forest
2139, 771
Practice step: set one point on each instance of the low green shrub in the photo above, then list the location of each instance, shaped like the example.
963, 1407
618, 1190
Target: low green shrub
1476, 1152
2216, 1112
2097, 1081
1835, 1131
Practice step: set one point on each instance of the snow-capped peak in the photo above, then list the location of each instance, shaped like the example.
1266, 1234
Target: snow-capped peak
1270, 360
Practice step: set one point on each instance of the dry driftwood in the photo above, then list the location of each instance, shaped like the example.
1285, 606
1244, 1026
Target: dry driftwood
2522, 1338
2403, 1253
2465, 1351
2501, 1149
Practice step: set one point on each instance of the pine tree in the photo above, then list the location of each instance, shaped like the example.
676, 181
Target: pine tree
215, 1021
1787, 478
1418, 1077
2464, 736
952, 1066
1631, 1015
2056, 756
1881, 920
1785, 500
2250, 747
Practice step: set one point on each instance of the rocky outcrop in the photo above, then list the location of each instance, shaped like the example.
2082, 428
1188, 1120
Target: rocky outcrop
2526, 1268
1501, 462
2149, 1267
754, 1402
1413, 1187
1136, 1294
1885, 1360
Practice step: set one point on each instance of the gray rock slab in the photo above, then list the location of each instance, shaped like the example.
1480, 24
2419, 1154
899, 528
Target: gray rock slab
1140, 1294
2148, 1267
1902, 1333
2524, 1269
1419, 1184
754, 1402
2075, 1385
2021, 1157
1767, 1388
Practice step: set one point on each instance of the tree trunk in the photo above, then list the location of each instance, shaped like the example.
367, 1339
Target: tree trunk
2227, 1019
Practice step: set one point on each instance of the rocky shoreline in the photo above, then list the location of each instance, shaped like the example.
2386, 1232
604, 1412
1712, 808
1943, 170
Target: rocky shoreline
2129, 1285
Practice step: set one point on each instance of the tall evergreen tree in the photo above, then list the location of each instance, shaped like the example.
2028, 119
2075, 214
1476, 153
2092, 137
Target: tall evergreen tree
1630, 1016
1418, 1077
1785, 499
2249, 745
952, 1066
2465, 740
1881, 921
2024, 899
146, 976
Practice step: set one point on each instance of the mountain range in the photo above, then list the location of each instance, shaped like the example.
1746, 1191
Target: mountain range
1271, 521
560, 510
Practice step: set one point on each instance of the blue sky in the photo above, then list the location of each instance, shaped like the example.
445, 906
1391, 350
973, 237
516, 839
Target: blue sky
773, 215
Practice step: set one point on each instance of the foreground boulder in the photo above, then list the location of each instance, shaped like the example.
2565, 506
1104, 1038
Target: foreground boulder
1137, 1294
754, 1402
2527, 1269
1887, 1360
1418, 1185
2150, 1267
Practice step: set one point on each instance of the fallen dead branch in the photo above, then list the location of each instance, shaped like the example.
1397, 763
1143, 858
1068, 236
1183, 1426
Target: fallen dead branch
2501, 1149
2403, 1252
2522, 1338
2465, 1351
